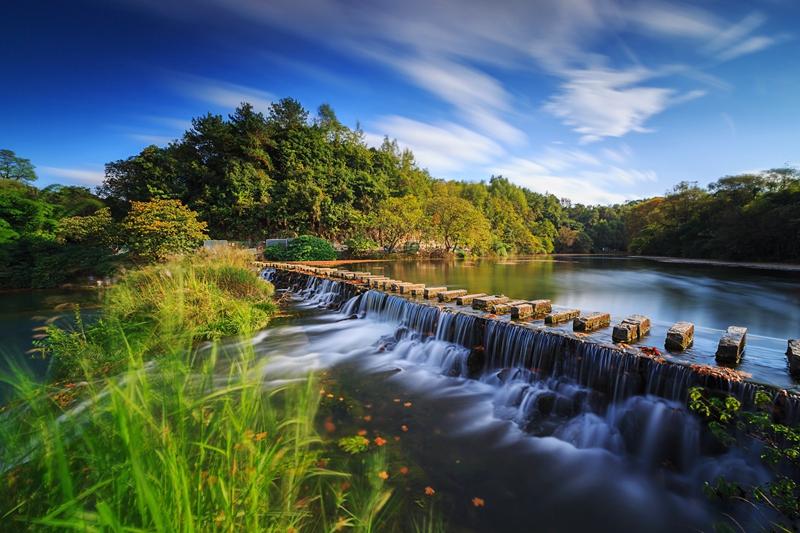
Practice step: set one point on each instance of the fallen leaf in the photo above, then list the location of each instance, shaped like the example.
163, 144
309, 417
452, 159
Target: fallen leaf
477, 502
367, 418
429, 491
362, 432
407, 404
404, 428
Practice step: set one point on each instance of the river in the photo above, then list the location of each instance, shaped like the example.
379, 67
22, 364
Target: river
525, 451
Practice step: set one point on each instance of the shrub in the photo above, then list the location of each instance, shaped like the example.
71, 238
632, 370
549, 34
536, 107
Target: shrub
308, 248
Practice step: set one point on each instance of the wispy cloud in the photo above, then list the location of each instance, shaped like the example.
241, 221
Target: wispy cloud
445, 147
73, 176
227, 95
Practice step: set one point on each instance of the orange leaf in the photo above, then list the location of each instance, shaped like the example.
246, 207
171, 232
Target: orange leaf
477, 502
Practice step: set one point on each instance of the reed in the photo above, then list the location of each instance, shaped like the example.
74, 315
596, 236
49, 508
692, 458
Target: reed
187, 436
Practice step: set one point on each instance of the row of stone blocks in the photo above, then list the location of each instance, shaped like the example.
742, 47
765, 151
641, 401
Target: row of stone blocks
679, 337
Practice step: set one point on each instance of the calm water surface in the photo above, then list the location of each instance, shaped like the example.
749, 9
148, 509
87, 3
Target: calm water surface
712, 297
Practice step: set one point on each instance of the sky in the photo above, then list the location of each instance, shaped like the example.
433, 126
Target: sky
598, 101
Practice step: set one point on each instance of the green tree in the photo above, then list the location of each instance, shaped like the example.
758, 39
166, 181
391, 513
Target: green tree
156, 229
455, 222
16, 168
396, 219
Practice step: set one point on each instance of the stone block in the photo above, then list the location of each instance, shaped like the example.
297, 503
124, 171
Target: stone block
680, 336
522, 310
541, 307
793, 354
467, 298
731, 345
631, 329
505, 308
406, 289
561, 316
386, 284
447, 296
486, 302
418, 292
430, 292
395, 287
591, 321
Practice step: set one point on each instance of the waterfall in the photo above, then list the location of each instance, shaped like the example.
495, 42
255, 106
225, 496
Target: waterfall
548, 383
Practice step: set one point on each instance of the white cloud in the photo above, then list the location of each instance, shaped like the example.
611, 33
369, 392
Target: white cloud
224, 94
445, 146
84, 177
605, 103
753, 44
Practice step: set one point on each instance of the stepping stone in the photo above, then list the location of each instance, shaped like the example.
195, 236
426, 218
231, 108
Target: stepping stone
793, 353
467, 298
561, 316
486, 302
631, 329
522, 310
591, 321
505, 308
406, 289
447, 296
541, 307
395, 287
430, 292
731, 345
680, 336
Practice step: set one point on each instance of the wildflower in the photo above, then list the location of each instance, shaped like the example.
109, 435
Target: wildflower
404, 428
361, 432
341, 399
367, 418
379, 441
259, 436
429, 491
383, 475
407, 404
404, 470
322, 391
330, 395
477, 502
397, 400
248, 434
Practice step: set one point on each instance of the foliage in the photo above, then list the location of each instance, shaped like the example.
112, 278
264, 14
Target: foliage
276, 252
781, 450
361, 246
354, 445
457, 223
395, 220
16, 168
213, 294
309, 248
158, 228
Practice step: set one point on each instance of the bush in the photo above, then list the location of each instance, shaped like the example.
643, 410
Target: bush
308, 248
276, 252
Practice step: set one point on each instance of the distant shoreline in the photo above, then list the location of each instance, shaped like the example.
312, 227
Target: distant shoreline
789, 267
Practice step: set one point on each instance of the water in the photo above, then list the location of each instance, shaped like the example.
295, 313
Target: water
712, 297
549, 442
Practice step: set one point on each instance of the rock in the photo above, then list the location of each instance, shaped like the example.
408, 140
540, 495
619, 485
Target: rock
591, 321
505, 308
561, 316
793, 353
680, 336
467, 298
486, 302
383, 283
430, 292
447, 296
395, 287
406, 289
631, 329
418, 292
369, 280
731, 345
522, 310
541, 307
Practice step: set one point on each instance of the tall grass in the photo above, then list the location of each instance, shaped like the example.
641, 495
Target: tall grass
187, 437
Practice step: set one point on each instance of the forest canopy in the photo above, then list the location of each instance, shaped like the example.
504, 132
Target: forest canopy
252, 176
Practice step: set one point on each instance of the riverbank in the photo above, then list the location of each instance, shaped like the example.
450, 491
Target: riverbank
791, 267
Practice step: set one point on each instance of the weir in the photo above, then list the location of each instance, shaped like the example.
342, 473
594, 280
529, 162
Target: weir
551, 383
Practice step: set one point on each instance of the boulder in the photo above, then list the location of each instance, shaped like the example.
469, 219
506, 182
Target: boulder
631, 329
680, 336
731, 345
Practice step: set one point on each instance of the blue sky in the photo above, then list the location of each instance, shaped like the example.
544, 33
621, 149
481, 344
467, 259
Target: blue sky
599, 101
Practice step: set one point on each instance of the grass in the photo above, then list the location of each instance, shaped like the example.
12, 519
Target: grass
150, 430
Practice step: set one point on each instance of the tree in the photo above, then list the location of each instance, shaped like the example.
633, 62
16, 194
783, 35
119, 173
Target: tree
395, 219
457, 223
153, 230
16, 168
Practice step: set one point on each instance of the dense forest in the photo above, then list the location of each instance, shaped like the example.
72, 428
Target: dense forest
251, 176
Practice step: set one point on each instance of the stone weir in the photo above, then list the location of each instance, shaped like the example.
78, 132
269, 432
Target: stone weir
514, 351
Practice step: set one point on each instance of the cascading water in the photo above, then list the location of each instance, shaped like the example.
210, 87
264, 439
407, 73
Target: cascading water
551, 385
